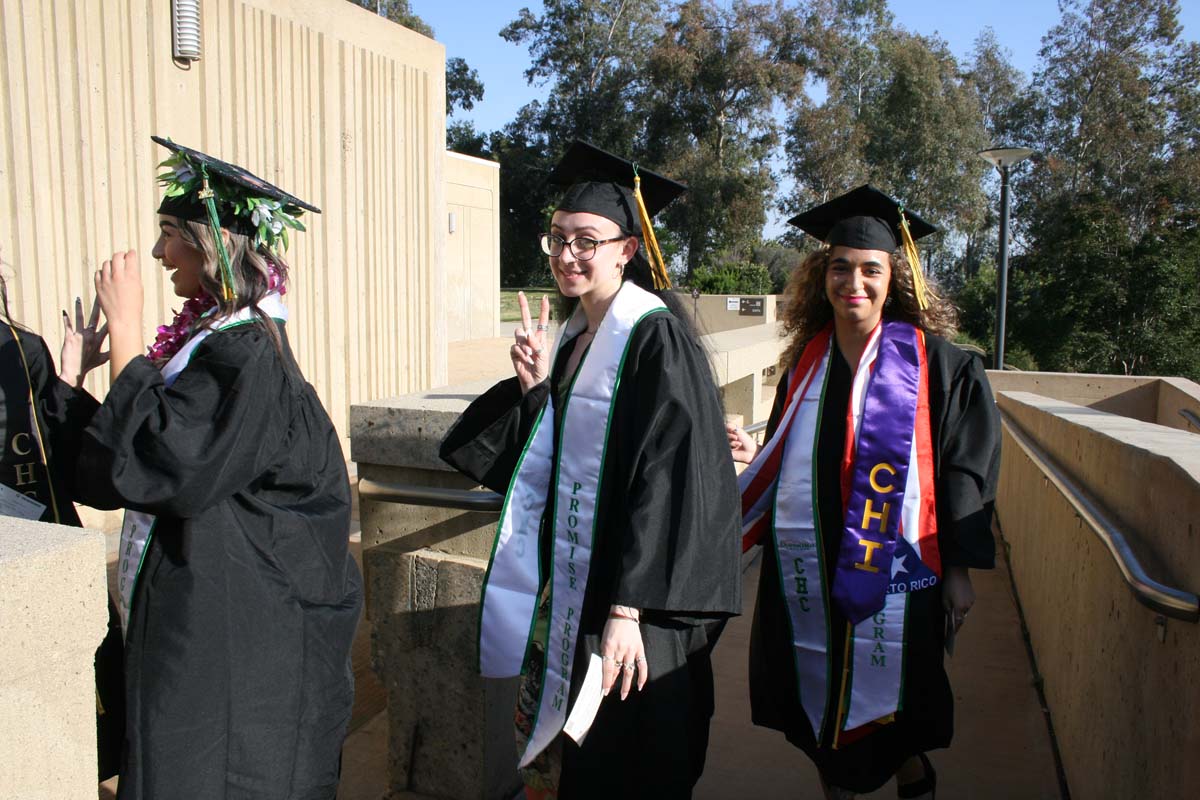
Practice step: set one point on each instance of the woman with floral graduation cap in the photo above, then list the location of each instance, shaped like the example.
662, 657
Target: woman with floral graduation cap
872, 497
616, 555
239, 596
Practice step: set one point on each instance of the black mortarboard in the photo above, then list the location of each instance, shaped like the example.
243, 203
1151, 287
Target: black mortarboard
230, 184
864, 218
602, 183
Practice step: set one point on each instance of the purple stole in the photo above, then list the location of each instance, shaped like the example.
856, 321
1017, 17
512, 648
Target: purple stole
888, 543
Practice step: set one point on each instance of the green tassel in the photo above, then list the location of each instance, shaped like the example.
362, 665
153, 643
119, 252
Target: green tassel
206, 194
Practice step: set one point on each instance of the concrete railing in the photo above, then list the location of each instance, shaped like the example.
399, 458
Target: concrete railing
1122, 680
53, 616
1166, 401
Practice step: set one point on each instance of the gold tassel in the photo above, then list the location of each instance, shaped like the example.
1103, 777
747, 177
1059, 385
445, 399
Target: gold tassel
658, 269
920, 288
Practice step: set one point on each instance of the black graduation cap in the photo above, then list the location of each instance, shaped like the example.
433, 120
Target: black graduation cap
230, 184
864, 218
602, 183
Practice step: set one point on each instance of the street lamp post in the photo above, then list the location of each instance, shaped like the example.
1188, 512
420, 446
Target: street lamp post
1003, 159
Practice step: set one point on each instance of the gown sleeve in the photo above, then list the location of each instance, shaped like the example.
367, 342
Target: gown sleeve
179, 450
485, 443
682, 533
969, 470
64, 411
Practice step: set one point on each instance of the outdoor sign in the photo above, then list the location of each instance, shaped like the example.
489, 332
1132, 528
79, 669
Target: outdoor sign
751, 307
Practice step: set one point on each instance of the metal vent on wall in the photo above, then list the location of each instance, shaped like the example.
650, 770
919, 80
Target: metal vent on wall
185, 29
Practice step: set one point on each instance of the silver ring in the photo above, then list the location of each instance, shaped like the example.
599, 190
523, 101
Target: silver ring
627, 667
542, 327
537, 352
607, 658
641, 659
619, 664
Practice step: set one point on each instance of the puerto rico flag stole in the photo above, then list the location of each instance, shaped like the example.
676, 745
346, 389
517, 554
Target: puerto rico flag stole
887, 540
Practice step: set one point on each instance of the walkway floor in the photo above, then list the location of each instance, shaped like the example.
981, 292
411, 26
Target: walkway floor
1001, 749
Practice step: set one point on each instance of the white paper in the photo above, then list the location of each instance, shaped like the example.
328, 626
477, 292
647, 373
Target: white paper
15, 504
587, 703
733, 304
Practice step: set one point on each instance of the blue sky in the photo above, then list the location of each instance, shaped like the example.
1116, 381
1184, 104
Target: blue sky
471, 29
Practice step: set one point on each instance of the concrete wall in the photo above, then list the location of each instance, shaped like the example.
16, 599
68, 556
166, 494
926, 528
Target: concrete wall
52, 618
712, 314
1176, 395
472, 248
321, 97
1129, 396
1122, 689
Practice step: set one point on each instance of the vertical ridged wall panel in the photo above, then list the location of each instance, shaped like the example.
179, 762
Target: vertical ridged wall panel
318, 96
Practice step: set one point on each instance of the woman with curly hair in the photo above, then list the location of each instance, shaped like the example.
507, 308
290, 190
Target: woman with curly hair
872, 497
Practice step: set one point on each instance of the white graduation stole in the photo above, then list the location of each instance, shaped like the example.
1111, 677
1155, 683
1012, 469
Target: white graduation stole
138, 526
513, 580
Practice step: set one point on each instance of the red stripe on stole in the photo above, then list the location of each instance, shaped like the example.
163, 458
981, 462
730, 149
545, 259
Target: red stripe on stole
927, 538
801, 375
755, 534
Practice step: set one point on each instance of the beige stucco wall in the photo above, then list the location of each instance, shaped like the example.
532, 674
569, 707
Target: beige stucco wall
712, 315
323, 98
472, 248
52, 619
1129, 396
1122, 691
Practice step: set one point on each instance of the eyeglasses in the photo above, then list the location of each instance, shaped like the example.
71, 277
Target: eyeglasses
583, 247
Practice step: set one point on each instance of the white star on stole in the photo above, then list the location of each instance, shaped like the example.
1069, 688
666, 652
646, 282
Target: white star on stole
898, 565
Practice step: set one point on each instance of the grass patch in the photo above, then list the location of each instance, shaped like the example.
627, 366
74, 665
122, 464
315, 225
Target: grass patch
510, 311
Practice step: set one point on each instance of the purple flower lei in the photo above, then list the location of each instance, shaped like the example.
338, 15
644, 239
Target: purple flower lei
173, 336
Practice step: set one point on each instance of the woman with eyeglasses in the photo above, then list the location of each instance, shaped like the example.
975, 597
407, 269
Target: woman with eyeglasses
617, 552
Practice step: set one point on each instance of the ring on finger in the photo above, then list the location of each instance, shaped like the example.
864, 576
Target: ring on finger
627, 667
541, 327
607, 658
640, 659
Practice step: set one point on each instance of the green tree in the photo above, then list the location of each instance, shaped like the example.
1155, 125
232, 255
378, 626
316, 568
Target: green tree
716, 76
898, 112
1107, 278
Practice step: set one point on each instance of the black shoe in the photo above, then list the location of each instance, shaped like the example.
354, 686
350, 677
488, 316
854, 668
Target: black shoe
927, 785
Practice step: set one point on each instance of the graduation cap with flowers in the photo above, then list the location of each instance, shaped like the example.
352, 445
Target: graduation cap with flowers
202, 188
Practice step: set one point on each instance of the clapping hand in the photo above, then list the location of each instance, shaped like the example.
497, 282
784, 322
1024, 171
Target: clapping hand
531, 352
81, 344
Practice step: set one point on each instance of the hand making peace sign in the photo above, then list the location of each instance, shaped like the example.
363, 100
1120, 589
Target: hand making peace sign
531, 352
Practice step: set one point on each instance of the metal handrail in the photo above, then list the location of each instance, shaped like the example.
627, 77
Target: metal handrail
414, 495
1190, 417
755, 427
1164, 599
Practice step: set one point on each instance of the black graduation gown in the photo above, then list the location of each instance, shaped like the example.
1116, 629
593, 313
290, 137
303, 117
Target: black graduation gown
238, 674
61, 414
965, 428
667, 542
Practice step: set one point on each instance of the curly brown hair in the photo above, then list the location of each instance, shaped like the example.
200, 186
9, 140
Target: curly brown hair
806, 309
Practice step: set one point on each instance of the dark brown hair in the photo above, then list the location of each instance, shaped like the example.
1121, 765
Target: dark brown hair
807, 310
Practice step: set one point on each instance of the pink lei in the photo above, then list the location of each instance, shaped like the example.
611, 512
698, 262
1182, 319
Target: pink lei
173, 336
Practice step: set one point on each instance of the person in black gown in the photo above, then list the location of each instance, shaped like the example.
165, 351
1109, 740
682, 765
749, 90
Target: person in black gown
664, 566
39, 448
843, 302
238, 591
